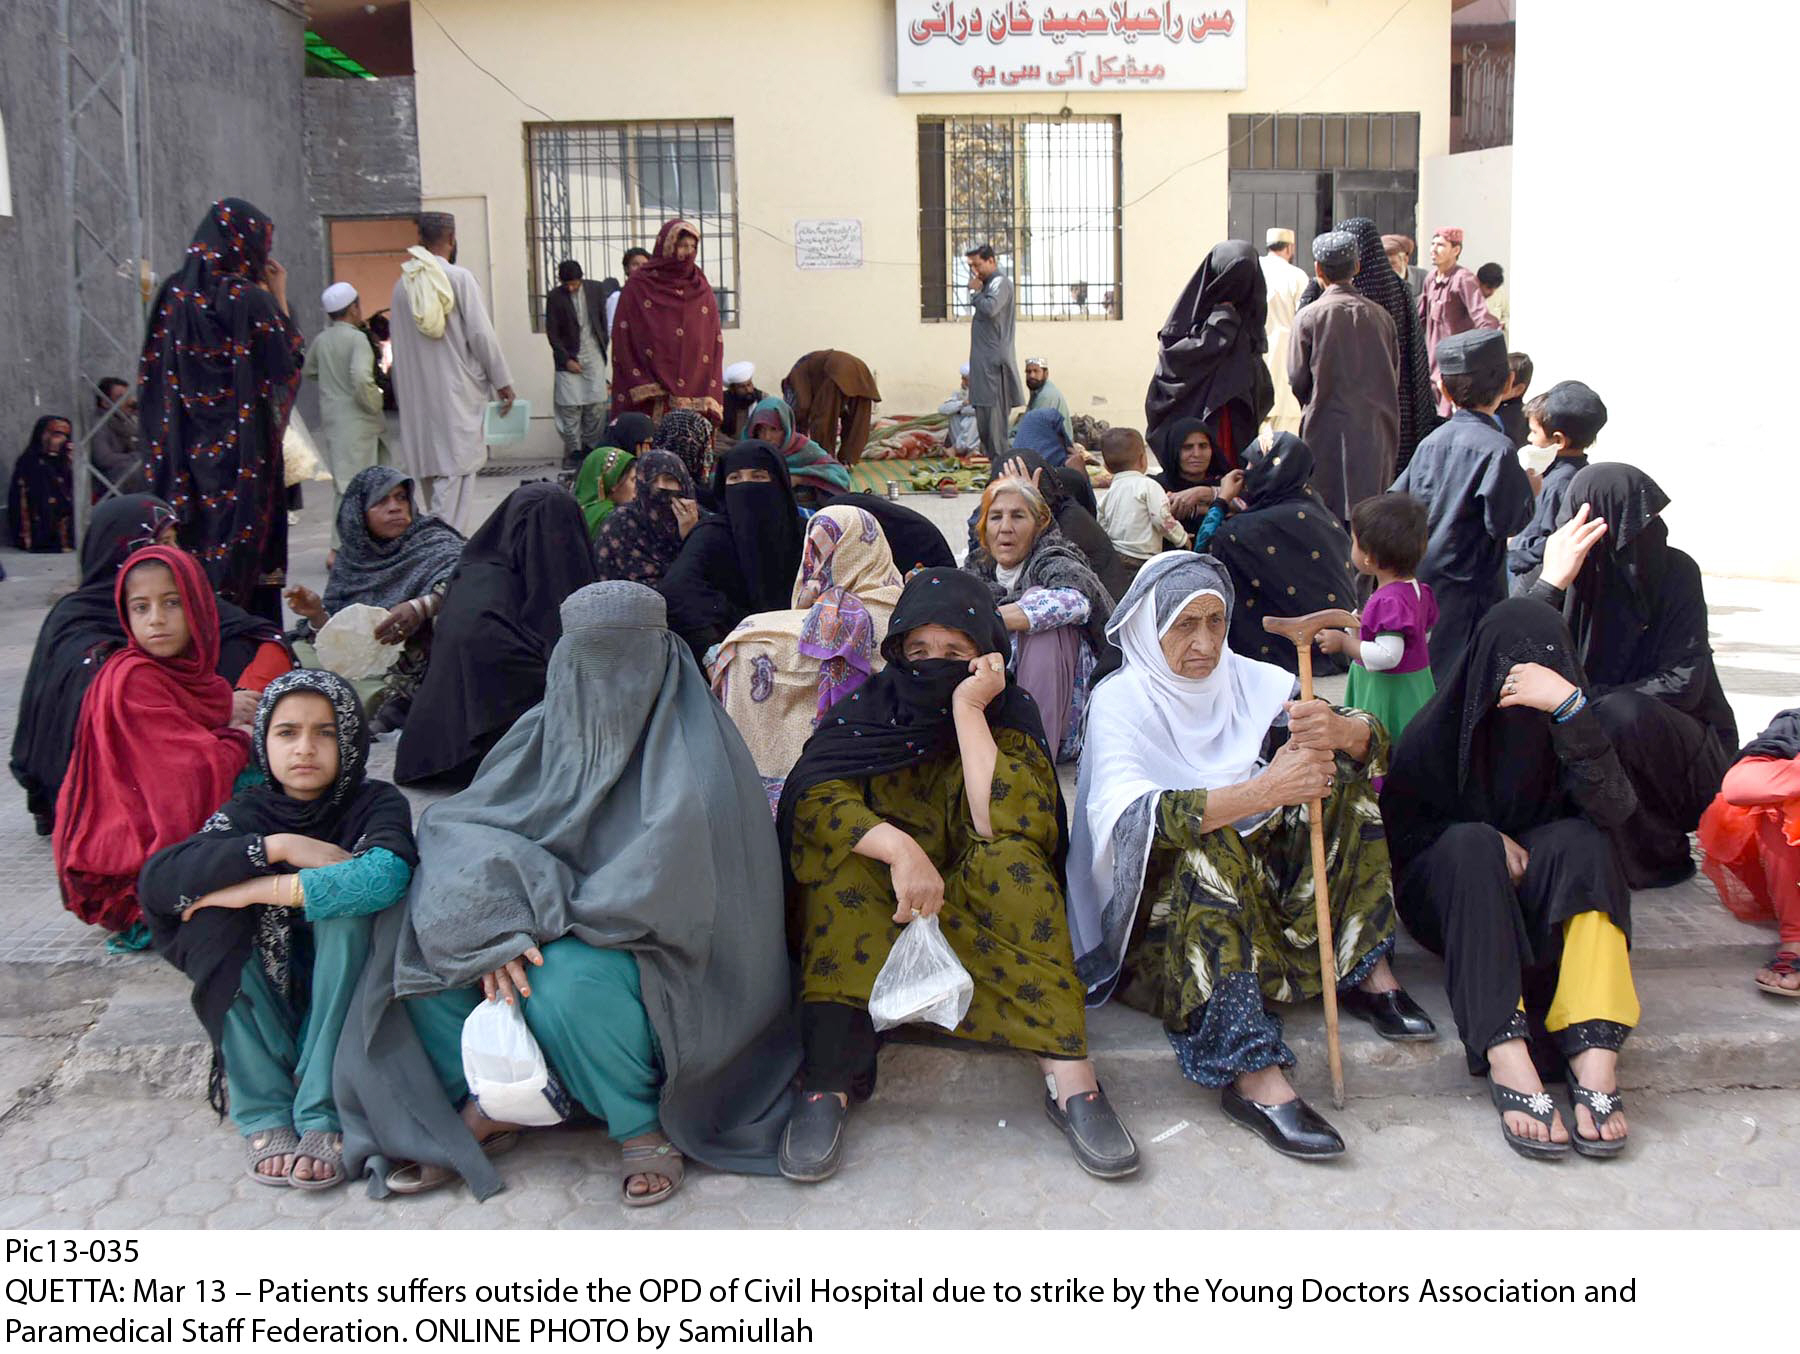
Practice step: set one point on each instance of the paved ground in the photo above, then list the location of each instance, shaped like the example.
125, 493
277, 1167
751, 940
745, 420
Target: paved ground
101, 1123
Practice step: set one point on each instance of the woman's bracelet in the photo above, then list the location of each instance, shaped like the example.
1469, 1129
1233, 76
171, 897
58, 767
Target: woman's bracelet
1571, 707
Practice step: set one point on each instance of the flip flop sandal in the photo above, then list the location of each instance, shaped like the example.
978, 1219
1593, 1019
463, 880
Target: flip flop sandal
1602, 1105
1538, 1105
416, 1177
276, 1142
663, 1160
1784, 965
318, 1146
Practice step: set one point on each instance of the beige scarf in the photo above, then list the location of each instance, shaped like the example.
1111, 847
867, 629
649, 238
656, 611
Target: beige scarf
428, 291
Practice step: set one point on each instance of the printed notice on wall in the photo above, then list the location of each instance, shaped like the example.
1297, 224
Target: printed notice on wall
835, 243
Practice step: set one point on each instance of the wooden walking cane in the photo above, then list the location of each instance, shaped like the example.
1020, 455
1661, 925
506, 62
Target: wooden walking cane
1300, 630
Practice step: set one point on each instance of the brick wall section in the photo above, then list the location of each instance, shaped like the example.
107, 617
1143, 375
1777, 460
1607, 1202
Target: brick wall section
362, 147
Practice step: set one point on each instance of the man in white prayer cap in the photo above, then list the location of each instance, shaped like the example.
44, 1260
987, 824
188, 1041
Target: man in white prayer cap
342, 361
964, 436
741, 396
1045, 395
1285, 283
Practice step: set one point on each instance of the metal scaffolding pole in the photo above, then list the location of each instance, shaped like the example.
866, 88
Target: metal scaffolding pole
102, 161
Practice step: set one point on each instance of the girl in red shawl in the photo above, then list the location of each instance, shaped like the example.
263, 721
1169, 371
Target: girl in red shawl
154, 751
668, 350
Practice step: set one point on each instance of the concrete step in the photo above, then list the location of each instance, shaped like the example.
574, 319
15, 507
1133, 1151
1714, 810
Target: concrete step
1705, 1027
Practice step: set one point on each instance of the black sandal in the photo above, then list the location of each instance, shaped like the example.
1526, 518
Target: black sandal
1539, 1106
1602, 1105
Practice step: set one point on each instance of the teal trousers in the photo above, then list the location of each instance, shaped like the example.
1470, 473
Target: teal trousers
278, 1060
586, 1010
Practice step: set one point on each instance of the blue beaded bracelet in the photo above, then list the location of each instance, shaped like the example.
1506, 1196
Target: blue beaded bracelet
1569, 708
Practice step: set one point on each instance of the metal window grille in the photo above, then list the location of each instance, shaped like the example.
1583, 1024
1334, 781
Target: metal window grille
1043, 191
600, 188
1487, 103
1325, 141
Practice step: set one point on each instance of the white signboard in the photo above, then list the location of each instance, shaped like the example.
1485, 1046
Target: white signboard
828, 244
946, 46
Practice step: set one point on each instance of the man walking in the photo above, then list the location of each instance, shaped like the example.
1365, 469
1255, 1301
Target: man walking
575, 324
994, 385
1450, 304
1285, 284
446, 360
342, 361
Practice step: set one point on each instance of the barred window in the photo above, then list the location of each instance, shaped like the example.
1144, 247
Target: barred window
600, 188
1043, 191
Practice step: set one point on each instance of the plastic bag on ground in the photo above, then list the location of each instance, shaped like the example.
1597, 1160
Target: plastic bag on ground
506, 1070
347, 643
921, 982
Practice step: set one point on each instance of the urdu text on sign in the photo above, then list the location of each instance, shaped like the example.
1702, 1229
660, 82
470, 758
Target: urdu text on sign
832, 243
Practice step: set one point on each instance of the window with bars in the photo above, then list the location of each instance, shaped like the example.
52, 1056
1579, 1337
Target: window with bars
1325, 141
600, 188
1043, 191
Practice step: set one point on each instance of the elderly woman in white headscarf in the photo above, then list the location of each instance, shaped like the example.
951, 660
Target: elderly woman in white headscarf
1190, 866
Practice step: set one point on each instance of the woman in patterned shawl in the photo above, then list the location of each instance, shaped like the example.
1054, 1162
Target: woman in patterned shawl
779, 672
668, 349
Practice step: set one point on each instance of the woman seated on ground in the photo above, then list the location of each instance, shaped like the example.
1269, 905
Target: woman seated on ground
82, 631
158, 745
638, 542
913, 537
1053, 605
780, 672
1751, 834
1287, 554
1637, 611
268, 910
612, 870
388, 556
742, 560
40, 502
1190, 877
1069, 494
493, 636
928, 791
1041, 432
1198, 497
688, 436
605, 484
816, 474
1497, 805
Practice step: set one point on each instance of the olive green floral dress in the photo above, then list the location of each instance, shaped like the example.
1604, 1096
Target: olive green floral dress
1227, 920
1003, 903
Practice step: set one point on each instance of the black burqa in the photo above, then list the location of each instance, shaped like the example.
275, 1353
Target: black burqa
82, 631
913, 537
491, 642
1466, 771
40, 501
1287, 555
743, 560
1637, 611
1209, 361
356, 814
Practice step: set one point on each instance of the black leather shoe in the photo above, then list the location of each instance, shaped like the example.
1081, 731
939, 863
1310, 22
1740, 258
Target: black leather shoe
1102, 1145
1292, 1129
1393, 1014
813, 1141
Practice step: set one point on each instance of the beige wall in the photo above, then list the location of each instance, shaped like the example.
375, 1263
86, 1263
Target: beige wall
1472, 190
820, 132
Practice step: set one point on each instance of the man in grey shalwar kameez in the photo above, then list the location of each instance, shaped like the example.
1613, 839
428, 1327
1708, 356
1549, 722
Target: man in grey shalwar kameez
995, 386
446, 360
1343, 366
624, 815
342, 361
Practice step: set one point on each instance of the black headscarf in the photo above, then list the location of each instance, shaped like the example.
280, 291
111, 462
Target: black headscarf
628, 431
82, 631
220, 367
1464, 760
1287, 555
913, 537
1780, 739
40, 502
901, 715
639, 540
491, 641
356, 814
387, 573
1167, 446
1210, 351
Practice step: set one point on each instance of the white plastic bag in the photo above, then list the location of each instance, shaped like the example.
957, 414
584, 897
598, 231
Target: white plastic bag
347, 644
506, 1070
300, 454
922, 981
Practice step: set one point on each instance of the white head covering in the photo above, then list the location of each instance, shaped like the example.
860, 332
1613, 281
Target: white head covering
338, 296
1278, 235
965, 369
739, 372
1037, 362
1150, 729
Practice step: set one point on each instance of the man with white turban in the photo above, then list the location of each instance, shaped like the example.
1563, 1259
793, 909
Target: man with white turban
342, 361
964, 435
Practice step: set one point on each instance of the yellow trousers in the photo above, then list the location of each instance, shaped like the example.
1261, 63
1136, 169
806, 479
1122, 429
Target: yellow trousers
1594, 980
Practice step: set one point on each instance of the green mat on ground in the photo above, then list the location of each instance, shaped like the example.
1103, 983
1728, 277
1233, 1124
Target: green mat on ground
872, 477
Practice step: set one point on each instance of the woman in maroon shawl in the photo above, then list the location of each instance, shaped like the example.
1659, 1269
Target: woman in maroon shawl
220, 368
668, 350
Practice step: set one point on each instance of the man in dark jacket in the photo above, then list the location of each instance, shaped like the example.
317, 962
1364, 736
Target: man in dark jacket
575, 324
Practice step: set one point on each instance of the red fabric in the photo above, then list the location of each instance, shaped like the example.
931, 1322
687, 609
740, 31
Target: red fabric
1752, 844
271, 661
153, 756
668, 348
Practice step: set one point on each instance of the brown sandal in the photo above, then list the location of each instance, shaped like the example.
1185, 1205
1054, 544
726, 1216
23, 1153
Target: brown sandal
417, 1177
